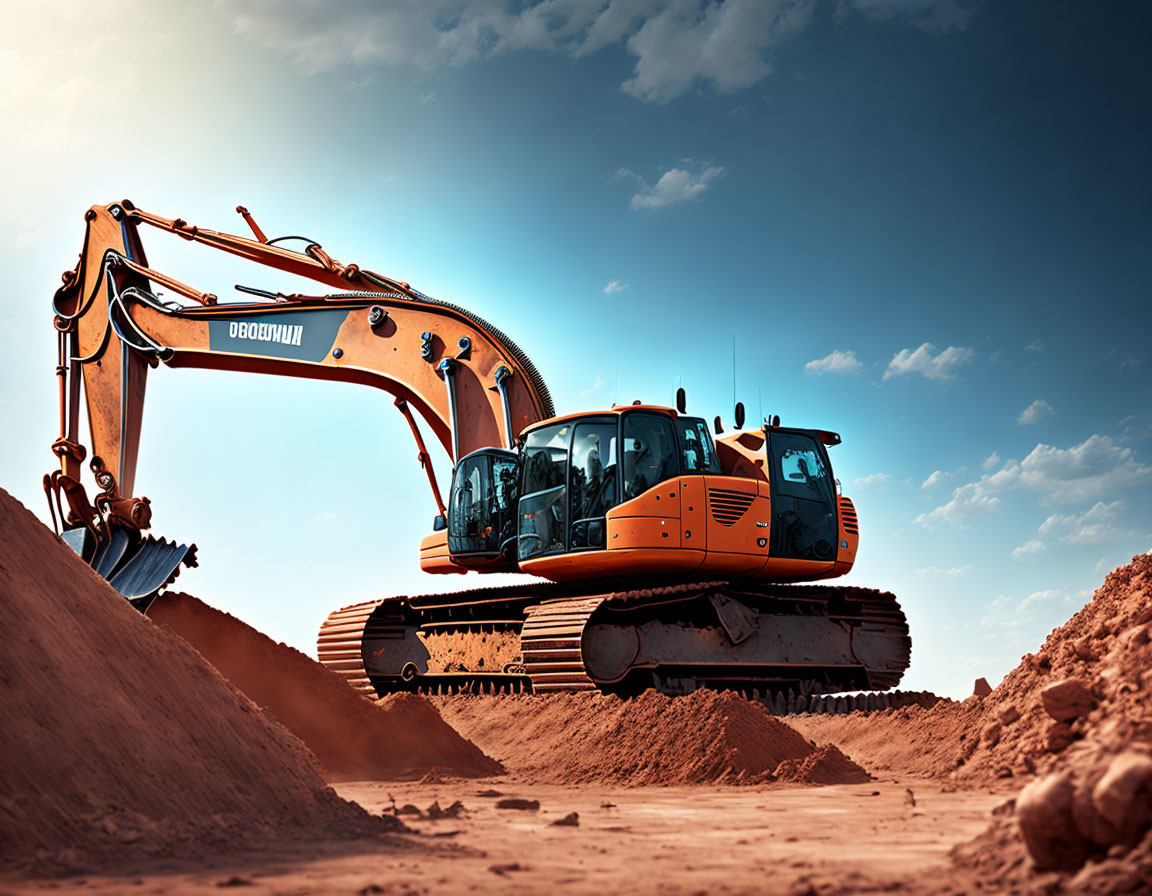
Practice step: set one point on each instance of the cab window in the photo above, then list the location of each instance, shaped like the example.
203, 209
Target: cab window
649, 452
697, 451
592, 489
543, 504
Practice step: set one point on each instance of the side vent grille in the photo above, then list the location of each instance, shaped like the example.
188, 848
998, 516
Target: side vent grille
848, 516
728, 506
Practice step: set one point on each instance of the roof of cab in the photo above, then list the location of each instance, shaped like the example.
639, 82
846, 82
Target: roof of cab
618, 409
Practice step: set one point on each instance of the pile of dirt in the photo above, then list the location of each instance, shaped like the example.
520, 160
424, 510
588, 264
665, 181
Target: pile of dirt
910, 741
1089, 686
119, 740
1079, 713
399, 737
653, 739
824, 765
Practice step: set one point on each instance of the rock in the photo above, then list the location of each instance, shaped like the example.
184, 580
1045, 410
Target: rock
571, 820
1008, 713
1123, 796
990, 736
1067, 699
1082, 648
1044, 813
981, 688
517, 803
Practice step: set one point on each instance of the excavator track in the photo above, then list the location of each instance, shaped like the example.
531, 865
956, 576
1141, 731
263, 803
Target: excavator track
786, 642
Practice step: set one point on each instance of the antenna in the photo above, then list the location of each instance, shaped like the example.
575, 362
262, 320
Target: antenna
733, 368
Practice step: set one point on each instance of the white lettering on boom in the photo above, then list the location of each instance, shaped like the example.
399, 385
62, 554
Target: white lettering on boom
286, 334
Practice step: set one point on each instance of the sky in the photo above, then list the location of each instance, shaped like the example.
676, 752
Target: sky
923, 224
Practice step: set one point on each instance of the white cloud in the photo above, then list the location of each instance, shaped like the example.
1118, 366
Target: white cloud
678, 45
836, 362
614, 286
952, 572
990, 461
597, 385
1048, 596
1036, 345
1035, 412
1097, 466
872, 480
941, 366
968, 502
1094, 525
935, 479
675, 185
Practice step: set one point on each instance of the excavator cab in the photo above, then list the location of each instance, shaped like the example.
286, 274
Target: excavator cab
575, 471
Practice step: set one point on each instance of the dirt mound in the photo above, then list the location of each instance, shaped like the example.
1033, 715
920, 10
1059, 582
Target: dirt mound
401, 736
707, 737
1089, 685
908, 741
119, 740
825, 765
1079, 711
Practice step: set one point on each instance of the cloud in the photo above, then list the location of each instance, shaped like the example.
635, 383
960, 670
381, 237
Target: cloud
990, 461
1036, 345
675, 185
951, 572
678, 45
1097, 466
934, 367
725, 45
872, 480
1048, 596
837, 362
935, 479
1034, 546
614, 286
1035, 412
597, 384
1094, 525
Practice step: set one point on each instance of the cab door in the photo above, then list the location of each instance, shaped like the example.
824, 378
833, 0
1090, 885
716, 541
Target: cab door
804, 520
593, 483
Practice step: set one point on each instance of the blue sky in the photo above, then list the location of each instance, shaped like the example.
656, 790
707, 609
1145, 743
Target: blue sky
921, 223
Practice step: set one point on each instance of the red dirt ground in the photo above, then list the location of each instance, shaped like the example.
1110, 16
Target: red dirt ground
121, 744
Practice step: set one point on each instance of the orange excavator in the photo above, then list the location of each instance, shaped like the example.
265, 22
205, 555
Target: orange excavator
664, 557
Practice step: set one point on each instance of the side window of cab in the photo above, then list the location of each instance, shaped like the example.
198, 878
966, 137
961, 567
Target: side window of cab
649, 455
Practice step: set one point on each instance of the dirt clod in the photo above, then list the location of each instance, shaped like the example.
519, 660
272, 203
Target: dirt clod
1067, 700
517, 803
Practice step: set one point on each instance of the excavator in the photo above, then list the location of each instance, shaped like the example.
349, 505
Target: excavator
663, 557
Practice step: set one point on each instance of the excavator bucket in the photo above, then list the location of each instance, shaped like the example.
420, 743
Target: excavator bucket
137, 568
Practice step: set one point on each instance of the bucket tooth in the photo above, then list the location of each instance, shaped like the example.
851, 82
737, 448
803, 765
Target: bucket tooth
81, 541
110, 553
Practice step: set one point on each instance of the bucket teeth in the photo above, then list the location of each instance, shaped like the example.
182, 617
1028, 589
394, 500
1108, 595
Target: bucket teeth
137, 570
155, 564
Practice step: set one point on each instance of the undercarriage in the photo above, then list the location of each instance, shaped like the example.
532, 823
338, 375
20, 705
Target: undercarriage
797, 641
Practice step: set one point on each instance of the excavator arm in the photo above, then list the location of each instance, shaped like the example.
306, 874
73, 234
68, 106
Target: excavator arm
116, 319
